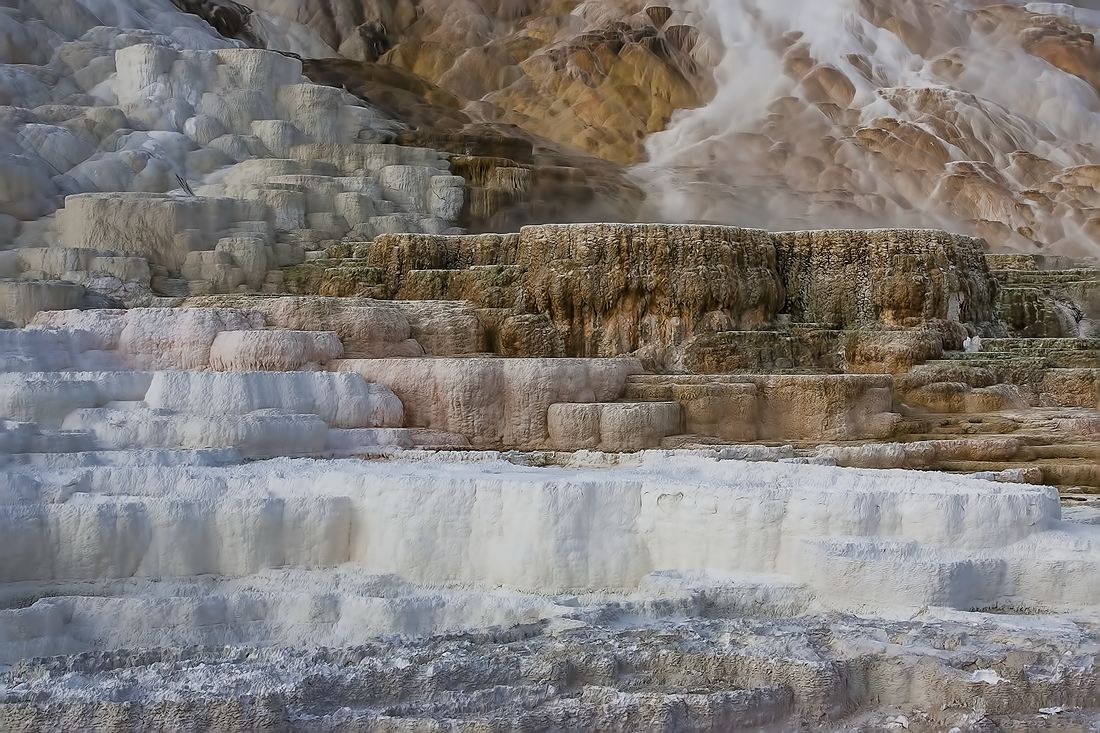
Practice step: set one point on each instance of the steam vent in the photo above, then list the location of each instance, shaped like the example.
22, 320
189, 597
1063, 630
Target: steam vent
549, 365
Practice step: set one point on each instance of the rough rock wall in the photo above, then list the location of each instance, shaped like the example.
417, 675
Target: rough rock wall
893, 278
497, 402
610, 289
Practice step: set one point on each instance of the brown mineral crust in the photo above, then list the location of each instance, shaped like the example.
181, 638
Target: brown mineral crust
609, 287
227, 17
399, 253
399, 93
614, 289
897, 278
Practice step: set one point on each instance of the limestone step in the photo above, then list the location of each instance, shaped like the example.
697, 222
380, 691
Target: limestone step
654, 386
1039, 381
612, 427
1046, 277
170, 287
934, 576
748, 407
486, 286
1064, 449
808, 349
1082, 474
22, 437
336, 278
369, 441
970, 455
1052, 446
1028, 262
803, 351
1053, 353
994, 359
1014, 345
1048, 358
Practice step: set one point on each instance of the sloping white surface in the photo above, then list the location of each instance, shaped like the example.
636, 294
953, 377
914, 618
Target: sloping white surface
850, 535
341, 400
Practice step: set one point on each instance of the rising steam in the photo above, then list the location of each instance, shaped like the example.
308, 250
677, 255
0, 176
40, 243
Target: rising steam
844, 113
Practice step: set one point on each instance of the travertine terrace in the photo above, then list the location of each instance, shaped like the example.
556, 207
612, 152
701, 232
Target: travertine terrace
284, 445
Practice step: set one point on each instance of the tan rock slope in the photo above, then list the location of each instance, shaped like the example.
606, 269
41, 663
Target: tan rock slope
516, 174
598, 76
971, 116
974, 117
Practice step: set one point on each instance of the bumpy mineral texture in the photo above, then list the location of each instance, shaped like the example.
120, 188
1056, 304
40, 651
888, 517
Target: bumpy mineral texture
880, 114
894, 278
615, 289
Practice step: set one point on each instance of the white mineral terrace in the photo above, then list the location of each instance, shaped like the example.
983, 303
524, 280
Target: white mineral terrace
848, 539
159, 492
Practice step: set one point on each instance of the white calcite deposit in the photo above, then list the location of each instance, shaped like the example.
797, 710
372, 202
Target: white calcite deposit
961, 543
218, 489
117, 113
341, 400
280, 351
667, 554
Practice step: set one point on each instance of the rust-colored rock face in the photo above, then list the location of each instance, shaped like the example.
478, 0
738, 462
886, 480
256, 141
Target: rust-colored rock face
896, 278
614, 289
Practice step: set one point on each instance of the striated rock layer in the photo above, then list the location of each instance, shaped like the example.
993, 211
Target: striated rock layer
632, 563
609, 290
885, 335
